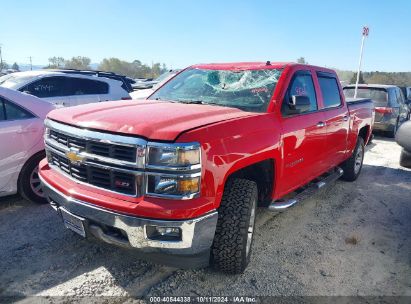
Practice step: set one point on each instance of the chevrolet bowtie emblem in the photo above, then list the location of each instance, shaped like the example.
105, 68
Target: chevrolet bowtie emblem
74, 157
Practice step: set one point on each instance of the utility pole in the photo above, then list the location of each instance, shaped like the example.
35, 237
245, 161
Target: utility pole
1, 60
365, 32
31, 64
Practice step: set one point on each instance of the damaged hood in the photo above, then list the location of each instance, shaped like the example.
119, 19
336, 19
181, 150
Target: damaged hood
155, 120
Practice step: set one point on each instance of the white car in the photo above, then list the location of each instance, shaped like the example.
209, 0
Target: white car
160, 80
69, 87
21, 143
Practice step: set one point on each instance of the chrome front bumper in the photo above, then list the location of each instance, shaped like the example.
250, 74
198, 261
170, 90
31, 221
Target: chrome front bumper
197, 234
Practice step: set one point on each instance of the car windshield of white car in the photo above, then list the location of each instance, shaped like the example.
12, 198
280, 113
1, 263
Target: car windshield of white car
13, 80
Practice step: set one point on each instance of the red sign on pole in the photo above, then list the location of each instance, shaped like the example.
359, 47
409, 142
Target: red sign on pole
365, 31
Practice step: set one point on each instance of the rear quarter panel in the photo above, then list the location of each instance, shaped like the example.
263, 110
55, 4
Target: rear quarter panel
362, 114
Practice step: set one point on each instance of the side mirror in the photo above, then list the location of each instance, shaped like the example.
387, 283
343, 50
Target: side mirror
299, 103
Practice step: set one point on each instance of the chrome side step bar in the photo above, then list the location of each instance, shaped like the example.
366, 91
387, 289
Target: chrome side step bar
280, 205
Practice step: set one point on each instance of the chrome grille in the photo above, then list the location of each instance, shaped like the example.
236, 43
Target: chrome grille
124, 153
102, 178
106, 161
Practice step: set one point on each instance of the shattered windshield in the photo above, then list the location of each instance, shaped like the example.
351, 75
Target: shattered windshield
249, 90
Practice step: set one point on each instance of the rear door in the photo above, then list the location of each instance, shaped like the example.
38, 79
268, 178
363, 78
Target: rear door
394, 105
84, 90
303, 139
336, 118
403, 111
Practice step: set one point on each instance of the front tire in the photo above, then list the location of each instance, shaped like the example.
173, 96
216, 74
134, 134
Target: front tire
231, 249
352, 166
29, 181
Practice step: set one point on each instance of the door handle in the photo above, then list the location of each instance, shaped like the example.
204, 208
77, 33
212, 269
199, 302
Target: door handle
345, 118
321, 124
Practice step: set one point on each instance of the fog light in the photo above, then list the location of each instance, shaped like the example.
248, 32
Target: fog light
168, 230
158, 233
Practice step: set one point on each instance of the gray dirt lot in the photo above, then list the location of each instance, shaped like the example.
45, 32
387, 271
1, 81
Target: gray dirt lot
351, 239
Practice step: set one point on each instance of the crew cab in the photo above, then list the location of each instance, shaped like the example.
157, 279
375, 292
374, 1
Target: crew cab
179, 176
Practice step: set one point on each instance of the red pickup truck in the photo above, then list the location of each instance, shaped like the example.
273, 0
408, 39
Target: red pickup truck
179, 176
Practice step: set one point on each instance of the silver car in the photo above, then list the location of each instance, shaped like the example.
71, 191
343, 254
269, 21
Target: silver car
391, 109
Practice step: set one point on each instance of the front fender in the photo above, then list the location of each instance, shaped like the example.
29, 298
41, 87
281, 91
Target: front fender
232, 145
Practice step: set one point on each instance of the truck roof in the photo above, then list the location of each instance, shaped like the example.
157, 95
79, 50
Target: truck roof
253, 66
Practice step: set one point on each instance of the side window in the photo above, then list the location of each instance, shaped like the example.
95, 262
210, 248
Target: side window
47, 87
80, 86
301, 85
14, 112
2, 111
330, 91
400, 96
392, 93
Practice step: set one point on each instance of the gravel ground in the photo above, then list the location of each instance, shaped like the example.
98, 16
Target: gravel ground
350, 239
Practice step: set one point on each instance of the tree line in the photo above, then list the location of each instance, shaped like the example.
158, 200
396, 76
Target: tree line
134, 69
5, 66
402, 79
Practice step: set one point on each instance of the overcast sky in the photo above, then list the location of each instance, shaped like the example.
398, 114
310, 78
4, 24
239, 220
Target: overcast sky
181, 32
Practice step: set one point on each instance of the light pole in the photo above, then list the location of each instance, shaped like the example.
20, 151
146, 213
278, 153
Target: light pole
365, 32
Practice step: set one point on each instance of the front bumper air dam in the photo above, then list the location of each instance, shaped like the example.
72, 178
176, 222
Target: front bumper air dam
193, 250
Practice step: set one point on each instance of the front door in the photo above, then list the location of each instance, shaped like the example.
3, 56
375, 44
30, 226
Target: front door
304, 136
18, 130
54, 89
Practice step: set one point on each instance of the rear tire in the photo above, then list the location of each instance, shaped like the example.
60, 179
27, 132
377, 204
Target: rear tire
405, 159
392, 133
352, 166
231, 249
29, 182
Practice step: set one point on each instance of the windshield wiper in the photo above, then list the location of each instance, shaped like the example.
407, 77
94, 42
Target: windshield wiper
213, 103
201, 102
191, 101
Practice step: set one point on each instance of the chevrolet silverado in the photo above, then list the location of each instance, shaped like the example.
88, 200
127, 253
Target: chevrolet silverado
179, 176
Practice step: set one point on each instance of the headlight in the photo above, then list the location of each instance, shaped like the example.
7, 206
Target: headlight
177, 156
46, 132
178, 170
